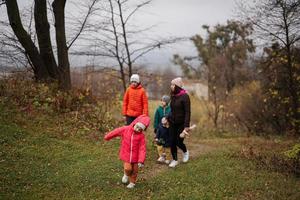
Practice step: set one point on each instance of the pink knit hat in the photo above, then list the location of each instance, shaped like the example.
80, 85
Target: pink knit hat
177, 81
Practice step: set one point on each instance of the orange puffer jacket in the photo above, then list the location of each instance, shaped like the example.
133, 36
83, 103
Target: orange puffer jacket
133, 144
135, 102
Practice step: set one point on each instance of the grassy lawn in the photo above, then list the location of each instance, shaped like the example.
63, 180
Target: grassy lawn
218, 176
36, 164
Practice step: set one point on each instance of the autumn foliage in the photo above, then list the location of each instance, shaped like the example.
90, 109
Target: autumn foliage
83, 112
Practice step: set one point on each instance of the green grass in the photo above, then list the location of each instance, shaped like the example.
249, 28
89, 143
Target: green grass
36, 164
219, 176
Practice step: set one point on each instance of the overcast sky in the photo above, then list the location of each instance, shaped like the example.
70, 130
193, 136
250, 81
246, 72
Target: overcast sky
172, 18
182, 18
185, 17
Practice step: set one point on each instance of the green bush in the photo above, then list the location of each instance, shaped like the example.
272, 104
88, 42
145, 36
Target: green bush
294, 153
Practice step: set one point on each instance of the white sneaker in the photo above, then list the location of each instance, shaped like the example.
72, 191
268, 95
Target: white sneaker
186, 156
173, 163
125, 179
130, 185
161, 159
167, 162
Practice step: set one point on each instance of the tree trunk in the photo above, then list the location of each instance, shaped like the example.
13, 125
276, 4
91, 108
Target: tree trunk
62, 50
293, 92
42, 30
216, 109
292, 87
123, 80
117, 45
125, 40
24, 38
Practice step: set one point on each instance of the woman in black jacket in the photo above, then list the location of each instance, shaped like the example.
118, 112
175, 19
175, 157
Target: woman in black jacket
179, 119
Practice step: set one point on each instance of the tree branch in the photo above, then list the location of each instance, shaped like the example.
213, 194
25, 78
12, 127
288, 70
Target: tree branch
137, 7
90, 11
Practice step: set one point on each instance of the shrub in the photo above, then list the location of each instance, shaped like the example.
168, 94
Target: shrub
245, 107
82, 112
269, 158
294, 153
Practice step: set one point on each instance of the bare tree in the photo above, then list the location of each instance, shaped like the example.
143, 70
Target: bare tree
42, 28
81, 24
61, 41
278, 21
117, 43
11, 52
42, 59
24, 38
222, 57
117, 40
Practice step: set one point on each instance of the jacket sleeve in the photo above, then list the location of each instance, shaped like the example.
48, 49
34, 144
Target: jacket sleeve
187, 111
115, 133
158, 133
125, 102
145, 103
168, 111
156, 119
142, 150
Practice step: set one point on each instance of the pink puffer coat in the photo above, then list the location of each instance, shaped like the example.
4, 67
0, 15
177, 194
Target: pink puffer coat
133, 144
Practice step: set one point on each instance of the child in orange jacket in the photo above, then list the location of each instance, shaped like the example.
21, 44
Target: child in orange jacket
133, 147
135, 101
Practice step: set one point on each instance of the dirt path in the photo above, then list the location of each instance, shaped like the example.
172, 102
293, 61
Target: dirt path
195, 148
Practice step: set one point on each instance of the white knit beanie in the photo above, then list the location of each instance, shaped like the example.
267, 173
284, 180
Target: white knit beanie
135, 78
177, 81
140, 125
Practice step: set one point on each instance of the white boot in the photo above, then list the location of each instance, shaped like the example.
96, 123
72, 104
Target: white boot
186, 156
130, 185
161, 159
125, 179
173, 163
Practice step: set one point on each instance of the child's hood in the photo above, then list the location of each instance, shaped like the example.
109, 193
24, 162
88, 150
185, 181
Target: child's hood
144, 119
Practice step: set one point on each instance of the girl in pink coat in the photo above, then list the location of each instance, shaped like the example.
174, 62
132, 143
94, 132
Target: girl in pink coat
133, 147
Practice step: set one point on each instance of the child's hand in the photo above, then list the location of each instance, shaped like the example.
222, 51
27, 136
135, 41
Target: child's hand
105, 137
140, 165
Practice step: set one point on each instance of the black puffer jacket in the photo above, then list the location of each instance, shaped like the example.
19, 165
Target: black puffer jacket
163, 136
180, 109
